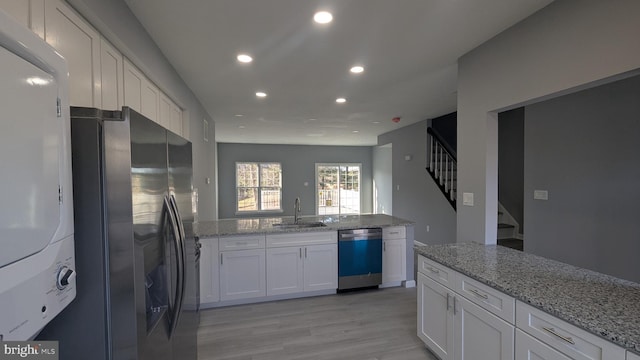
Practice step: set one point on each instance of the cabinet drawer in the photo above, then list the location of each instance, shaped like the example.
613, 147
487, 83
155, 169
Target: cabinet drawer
302, 239
564, 337
492, 300
394, 232
241, 242
436, 271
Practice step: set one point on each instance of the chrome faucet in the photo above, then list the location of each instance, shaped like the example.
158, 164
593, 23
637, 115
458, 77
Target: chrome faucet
296, 210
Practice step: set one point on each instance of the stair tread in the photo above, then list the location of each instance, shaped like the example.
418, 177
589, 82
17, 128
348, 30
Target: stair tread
512, 243
505, 226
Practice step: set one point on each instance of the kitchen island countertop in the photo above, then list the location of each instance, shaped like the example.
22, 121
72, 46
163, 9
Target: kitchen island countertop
601, 304
265, 225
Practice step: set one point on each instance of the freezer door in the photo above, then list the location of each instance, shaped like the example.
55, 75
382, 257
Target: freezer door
155, 273
180, 188
30, 152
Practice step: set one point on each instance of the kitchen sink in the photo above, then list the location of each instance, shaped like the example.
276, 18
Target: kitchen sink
299, 225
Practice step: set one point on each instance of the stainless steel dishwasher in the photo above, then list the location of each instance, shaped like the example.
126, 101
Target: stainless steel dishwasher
359, 258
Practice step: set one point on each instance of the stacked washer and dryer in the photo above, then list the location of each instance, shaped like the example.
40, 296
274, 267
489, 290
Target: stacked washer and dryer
37, 265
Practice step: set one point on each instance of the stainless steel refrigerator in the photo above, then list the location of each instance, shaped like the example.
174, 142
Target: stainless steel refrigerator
137, 297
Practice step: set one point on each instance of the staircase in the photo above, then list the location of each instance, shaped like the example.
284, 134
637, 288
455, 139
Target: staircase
442, 166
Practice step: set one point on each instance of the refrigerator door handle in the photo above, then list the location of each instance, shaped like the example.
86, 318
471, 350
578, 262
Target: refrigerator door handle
183, 246
175, 313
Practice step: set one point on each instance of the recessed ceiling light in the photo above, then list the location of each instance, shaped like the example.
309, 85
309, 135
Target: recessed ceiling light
341, 100
357, 69
261, 94
241, 127
323, 17
355, 131
312, 119
244, 58
238, 115
376, 122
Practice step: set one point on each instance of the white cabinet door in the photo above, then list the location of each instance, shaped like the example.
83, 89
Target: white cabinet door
242, 274
284, 270
435, 321
111, 77
528, 348
79, 43
176, 119
320, 267
480, 335
209, 264
133, 81
632, 356
139, 93
164, 115
394, 260
150, 101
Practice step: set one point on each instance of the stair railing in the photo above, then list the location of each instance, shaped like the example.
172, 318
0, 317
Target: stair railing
442, 165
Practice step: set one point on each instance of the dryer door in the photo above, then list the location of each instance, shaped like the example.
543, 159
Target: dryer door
30, 150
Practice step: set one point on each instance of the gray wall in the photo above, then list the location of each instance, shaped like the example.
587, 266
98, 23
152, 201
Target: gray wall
583, 148
538, 58
298, 166
117, 24
383, 179
511, 163
416, 197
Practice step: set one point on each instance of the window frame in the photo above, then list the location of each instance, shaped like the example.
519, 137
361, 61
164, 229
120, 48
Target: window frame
359, 165
258, 189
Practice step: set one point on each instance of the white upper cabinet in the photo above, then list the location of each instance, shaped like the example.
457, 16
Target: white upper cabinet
139, 93
79, 43
165, 112
176, 119
133, 80
111, 76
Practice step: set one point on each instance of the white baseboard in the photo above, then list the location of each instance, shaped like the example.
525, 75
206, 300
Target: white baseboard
410, 284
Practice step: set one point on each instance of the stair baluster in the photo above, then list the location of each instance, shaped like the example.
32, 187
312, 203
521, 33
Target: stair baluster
442, 166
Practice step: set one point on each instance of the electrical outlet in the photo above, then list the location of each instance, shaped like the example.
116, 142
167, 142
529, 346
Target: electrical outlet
540, 195
428, 228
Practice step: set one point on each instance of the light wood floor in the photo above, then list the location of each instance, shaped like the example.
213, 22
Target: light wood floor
368, 325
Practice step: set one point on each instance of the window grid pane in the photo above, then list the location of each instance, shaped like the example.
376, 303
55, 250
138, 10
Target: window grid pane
338, 189
259, 187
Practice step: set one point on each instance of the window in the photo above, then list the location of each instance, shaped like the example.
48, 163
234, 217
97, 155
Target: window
338, 189
258, 187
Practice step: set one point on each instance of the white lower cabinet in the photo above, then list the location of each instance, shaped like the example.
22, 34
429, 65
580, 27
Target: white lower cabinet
284, 270
242, 274
452, 327
435, 321
209, 268
394, 255
480, 334
311, 265
528, 348
394, 260
632, 356
321, 267
477, 322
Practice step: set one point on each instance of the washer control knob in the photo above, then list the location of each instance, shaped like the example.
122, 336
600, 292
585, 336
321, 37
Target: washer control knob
65, 277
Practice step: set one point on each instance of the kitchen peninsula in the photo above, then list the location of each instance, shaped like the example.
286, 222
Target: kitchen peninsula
249, 260
522, 304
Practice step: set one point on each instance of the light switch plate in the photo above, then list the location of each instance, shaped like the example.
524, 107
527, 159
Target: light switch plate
467, 199
540, 195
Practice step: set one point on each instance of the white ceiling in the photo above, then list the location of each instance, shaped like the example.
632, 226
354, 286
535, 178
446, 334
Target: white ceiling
409, 49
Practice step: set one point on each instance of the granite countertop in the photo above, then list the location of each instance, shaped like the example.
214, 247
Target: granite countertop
601, 304
265, 225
